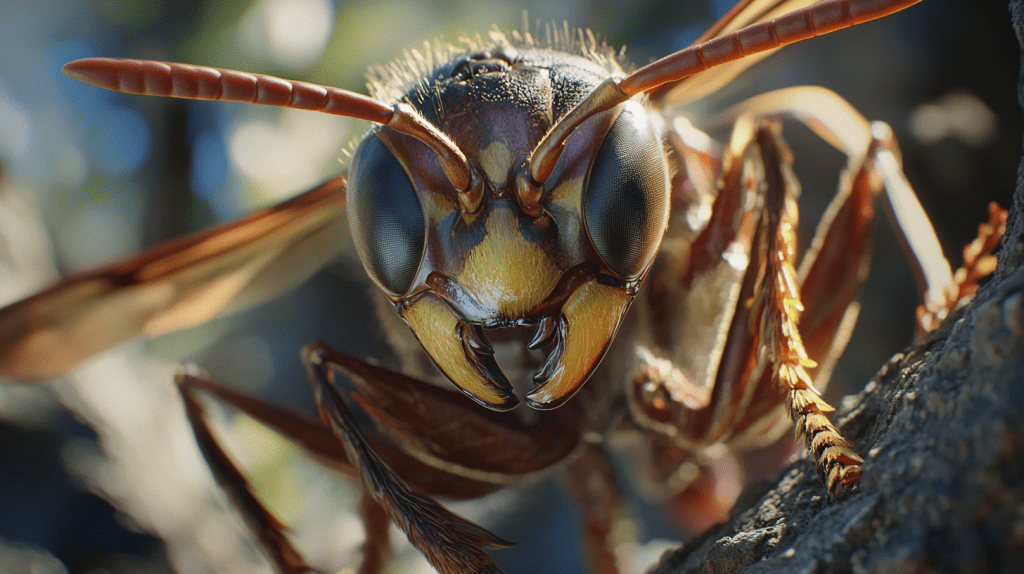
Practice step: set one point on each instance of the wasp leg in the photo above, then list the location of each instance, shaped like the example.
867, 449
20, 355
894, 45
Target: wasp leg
775, 316
839, 254
419, 432
874, 166
450, 431
320, 442
836, 264
268, 529
307, 433
978, 262
451, 543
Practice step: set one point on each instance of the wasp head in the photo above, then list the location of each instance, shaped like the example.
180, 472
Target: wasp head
565, 262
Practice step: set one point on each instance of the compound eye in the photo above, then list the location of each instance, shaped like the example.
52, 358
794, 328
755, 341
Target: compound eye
625, 206
385, 217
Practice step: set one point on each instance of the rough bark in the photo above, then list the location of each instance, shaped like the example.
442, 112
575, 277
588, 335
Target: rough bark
942, 427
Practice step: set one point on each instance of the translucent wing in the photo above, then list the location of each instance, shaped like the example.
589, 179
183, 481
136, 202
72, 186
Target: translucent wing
179, 284
701, 84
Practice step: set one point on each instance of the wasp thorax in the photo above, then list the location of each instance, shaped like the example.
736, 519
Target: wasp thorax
458, 265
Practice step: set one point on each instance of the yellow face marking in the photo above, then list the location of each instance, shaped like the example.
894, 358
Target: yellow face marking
436, 327
506, 272
592, 314
496, 159
568, 192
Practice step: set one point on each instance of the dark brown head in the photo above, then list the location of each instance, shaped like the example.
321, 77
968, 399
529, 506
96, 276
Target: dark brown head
563, 257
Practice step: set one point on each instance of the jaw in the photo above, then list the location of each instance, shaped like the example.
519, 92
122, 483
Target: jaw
578, 333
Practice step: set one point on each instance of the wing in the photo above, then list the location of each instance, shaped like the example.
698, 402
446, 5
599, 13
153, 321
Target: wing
179, 284
743, 14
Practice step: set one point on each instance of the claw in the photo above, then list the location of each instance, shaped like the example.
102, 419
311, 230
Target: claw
473, 335
460, 350
545, 330
554, 360
589, 321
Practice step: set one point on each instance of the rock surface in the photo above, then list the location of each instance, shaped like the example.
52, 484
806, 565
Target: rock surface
942, 427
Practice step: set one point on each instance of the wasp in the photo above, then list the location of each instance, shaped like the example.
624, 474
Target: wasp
571, 258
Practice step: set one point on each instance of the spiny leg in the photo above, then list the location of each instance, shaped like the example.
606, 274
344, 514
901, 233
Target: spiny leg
320, 442
979, 262
775, 318
836, 264
876, 172
452, 544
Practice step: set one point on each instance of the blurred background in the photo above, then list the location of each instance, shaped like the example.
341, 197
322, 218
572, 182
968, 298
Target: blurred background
98, 473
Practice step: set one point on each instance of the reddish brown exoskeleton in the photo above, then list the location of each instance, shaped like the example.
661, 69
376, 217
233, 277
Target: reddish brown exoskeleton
535, 193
